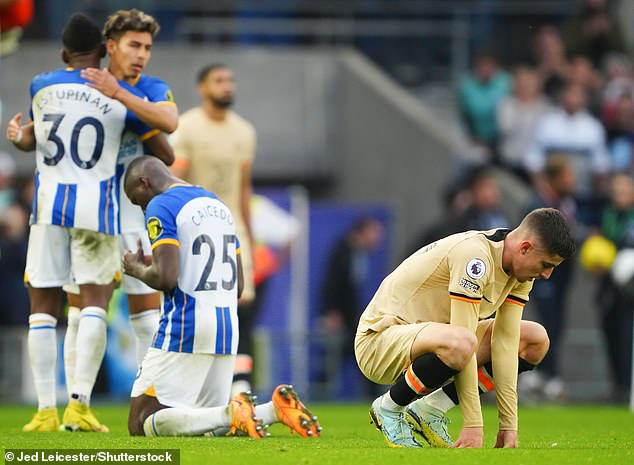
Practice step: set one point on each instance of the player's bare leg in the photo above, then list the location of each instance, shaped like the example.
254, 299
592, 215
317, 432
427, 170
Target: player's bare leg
437, 353
428, 415
42, 343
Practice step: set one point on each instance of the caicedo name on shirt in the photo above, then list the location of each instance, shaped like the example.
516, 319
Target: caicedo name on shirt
208, 212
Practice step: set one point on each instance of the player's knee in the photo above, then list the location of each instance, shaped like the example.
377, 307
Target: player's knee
135, 424
534, 342
461, 346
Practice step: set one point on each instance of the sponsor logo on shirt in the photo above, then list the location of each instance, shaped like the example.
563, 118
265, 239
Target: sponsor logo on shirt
468, 285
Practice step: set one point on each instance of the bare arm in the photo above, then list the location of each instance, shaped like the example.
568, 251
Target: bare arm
246, 190
22, 137
159, 115
161, 148
162, 274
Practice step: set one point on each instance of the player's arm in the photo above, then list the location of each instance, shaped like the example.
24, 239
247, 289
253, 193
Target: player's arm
21, 136
158, 145
464, 312
505, 339
162, 274
246, 191
159, 115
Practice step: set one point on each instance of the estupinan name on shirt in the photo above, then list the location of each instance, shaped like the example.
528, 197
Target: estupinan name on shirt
94, 99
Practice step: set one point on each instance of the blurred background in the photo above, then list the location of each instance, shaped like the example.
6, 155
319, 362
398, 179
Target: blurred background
382, 125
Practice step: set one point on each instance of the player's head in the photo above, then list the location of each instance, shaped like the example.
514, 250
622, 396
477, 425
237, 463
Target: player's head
81, 37
542, 241
129, 35
145, 178
216, 84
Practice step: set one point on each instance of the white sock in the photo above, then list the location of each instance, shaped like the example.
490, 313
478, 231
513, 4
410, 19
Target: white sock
145, 325
438, 400
241, 385
42, 343
70, 347
91, 345
389, 404
267, 413
186, 421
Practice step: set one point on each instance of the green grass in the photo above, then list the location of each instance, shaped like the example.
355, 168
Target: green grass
548, 435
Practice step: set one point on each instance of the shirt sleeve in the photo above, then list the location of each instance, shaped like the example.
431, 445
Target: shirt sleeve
469, 272
160, 223
505, 339
158, 91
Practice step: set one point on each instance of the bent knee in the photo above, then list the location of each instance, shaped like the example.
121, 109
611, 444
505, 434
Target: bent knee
534, 342
135, 425
458, 349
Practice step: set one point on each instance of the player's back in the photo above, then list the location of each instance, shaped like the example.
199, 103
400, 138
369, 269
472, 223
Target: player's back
78, 132
200, 315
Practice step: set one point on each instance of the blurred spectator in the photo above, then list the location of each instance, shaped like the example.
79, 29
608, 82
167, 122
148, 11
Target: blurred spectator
7, 170
485, 209
348, 267
517, 116
550, 296
593, 33
479, 94
616, 302
582, 72
14, 306
619, 83
570, 130
622, 145
550, 60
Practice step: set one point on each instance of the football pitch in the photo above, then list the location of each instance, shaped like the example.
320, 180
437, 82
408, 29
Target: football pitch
548, 435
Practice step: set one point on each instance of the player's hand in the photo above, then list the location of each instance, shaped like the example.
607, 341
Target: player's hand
506, 439
133, 262
14, 129
472, 437
102, 80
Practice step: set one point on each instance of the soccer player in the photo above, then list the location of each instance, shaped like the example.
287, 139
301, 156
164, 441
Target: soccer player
214, 148
76, 131
429, 321
129, 37
184, 382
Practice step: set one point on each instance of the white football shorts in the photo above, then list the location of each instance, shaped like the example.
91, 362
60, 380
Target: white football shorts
57, 255
129, 241
185, 380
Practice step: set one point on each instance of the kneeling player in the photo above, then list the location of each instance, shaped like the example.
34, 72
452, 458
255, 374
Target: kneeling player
184, 383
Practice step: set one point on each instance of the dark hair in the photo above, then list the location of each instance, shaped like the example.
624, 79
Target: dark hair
81, 34
204, 72
122, 21
553, 230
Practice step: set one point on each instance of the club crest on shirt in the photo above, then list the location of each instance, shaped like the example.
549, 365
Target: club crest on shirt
154, 228
476, 268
